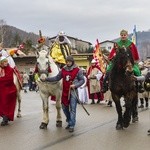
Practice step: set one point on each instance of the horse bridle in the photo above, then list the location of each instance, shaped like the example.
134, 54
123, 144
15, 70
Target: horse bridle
47, 71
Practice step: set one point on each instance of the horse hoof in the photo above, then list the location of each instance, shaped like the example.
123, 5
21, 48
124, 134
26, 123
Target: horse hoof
135, 119
119, 127
148, 132
43, 126
58, 123
4, 123
19, 116
125, 124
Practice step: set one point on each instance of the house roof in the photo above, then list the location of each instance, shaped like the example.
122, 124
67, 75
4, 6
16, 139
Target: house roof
107, 41
72, 38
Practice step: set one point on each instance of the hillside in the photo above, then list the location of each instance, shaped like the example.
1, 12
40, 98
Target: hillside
14, 36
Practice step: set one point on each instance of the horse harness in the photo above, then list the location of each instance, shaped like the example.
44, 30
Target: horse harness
46, 71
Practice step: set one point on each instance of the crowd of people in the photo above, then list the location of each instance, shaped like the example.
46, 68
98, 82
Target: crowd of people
89, 83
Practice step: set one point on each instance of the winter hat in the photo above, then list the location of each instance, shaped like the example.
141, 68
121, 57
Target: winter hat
61, 33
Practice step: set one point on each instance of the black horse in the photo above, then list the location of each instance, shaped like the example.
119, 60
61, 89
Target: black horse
122, 84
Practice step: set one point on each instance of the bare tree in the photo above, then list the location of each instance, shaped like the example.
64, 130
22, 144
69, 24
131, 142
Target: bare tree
2, 30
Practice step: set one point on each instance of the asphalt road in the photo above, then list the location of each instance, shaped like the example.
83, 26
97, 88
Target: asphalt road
94, 132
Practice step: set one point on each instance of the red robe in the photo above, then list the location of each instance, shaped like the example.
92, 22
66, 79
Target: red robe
66, 84
8, 94
101, 80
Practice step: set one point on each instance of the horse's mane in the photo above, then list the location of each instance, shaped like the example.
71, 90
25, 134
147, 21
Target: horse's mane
118, 77
120, 60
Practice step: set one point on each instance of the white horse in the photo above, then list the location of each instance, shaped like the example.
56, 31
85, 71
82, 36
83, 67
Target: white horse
47, 89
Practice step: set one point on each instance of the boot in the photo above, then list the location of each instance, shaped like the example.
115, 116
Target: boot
146, 100
98, 101
99, 97
105, 83
109, 103
4, 121
93, 102
142, 103
71, 129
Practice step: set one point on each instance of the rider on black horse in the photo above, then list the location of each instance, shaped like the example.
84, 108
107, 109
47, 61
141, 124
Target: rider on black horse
123, 42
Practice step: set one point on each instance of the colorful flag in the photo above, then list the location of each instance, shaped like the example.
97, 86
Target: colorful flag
21, 46
134, 36
98, 56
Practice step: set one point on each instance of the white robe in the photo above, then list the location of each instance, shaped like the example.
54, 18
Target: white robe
83, 93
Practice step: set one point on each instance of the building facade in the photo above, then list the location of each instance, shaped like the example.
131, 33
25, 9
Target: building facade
28, 63
107, 45
78, 45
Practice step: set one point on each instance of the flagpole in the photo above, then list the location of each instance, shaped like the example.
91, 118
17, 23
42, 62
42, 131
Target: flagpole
134, 36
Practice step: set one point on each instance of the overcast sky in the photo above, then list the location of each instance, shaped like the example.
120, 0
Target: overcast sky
83, 19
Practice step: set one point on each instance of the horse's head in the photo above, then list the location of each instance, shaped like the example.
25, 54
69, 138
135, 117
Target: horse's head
123, 61
43, 64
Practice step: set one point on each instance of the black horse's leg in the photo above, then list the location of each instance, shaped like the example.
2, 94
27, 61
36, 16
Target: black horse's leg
119, 124
127, 113
135, 109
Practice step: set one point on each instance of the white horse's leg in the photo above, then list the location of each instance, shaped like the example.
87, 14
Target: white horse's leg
18, 98
58, 107
45, 102
19, 104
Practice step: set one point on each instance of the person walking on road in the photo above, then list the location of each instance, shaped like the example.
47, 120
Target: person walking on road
94, 75
82, 90
8, 92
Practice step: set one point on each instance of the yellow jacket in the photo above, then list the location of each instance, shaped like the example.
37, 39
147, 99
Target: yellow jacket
59, 52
